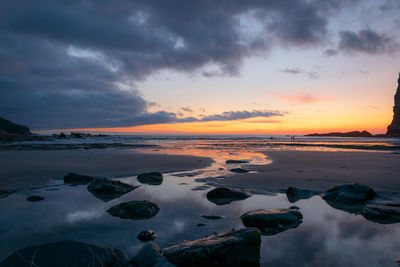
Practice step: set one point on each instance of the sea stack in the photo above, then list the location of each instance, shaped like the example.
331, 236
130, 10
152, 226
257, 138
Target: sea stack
394, 127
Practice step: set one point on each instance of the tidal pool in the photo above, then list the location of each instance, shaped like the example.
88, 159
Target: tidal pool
326, 237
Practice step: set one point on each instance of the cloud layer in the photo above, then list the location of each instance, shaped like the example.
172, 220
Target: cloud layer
67, 64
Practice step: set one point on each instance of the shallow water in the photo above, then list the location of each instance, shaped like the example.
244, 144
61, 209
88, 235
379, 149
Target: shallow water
327, 236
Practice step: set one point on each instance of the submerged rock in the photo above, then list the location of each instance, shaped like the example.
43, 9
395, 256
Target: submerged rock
5, 193
349, 194
152, 178
135, 210
294, 194
66, 253
200, 188
34, 198
272, 222
224, 195
147, 235
239, 170
229, 248
107, 190
235, 161
212, 217
383, 214
77, 179
147, 256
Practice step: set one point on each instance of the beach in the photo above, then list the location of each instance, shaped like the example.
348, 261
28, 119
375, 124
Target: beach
22, 169
320, 170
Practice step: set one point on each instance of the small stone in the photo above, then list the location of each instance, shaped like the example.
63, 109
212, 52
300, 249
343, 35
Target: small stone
224, 195
212, 217
147, 235
239, 170
77, 179
107, 190
234, 161
34, 198
201, 224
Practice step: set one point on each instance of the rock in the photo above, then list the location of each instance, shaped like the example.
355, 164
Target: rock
223, 195
398, 261
212, 217
147, 256
135, 210
152, 178
271, 222
235, 161
349, 194
66, 253
107, 190
200, 224
77, 179
5, 193
394, 128
147, 235
9, 127
383, 214
294, 194
239, 170
34, 198
229, 248
200, 188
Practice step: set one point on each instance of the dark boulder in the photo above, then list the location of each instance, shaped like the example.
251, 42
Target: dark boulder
236, 161
107, 190
294, 194
383, 214
152, 178
147, 256
239, 170
229, 248
212, 217
77, 179
272, 222
66, 253
34, 198
135, 210
147, 235
349, 194
223, 195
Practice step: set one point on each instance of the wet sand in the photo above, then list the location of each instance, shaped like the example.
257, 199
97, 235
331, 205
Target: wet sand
319, 171
21, 169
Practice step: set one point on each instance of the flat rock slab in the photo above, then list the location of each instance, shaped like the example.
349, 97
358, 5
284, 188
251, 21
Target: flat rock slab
230, 248
34, 198
212, 217
383, 214
147, 256
239, 170
135, 210
66, 253
77, 179
271, 222
294, 194
151, 178
107, 190
236, 161
224, 195
5, 193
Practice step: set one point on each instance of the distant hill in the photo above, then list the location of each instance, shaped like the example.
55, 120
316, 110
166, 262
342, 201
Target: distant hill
9, 127
347, 134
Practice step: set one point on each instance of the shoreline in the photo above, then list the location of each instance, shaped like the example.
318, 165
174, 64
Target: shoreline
24, 169
318, 171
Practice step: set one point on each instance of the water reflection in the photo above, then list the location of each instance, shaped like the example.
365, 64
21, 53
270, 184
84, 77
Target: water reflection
327, 236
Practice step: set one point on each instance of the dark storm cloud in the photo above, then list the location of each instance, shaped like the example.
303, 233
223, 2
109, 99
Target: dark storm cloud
72, 63
367, 41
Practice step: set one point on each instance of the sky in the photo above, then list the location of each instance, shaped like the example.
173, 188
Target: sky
204, 67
